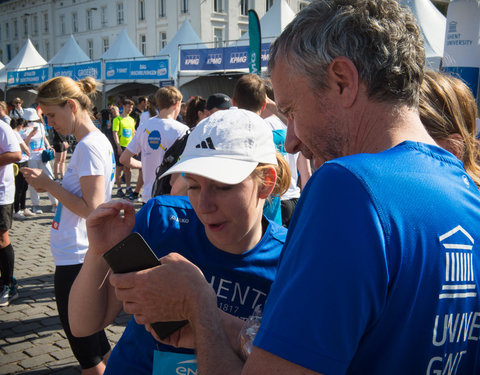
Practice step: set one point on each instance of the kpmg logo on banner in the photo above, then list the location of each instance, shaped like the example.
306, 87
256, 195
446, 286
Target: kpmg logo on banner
214, 59
238, 57
228, 58
193, 60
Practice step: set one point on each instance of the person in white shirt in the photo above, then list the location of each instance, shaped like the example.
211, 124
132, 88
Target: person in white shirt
154, 137
9, 153
87, 183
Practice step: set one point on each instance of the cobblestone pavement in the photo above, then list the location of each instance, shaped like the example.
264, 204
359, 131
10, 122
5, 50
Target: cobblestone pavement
31, 337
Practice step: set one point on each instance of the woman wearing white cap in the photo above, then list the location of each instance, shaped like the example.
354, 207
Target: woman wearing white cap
38, 143
231, 168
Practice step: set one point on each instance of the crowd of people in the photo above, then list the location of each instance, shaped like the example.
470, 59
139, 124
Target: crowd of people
367, 265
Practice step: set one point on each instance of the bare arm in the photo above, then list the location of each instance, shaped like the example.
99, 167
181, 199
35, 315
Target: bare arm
93, 191
10, 157
126, 158
25, 148
105, 227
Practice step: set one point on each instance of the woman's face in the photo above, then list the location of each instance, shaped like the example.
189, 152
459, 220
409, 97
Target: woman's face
61, 118
231, 214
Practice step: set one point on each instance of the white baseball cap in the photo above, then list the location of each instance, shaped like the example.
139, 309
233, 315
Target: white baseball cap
227, 146
30, 114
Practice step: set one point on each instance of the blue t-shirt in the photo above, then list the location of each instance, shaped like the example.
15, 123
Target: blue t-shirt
386, 279
169, 224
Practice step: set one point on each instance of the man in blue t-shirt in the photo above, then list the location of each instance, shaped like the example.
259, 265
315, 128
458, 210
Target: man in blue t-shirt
379, 273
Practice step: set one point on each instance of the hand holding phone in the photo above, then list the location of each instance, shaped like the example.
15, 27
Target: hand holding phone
133, 254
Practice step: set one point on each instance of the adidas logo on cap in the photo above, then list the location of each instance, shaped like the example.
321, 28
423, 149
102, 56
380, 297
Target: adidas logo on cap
207, 143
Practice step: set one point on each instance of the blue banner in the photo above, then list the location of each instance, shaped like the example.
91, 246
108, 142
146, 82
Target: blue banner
228, 58
136, 70
166, 82
468, 75
27, 77
79, 71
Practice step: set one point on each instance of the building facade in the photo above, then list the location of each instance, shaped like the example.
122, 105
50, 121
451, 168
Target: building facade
95, 24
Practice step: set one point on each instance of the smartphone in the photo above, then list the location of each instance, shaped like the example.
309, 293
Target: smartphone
133, 254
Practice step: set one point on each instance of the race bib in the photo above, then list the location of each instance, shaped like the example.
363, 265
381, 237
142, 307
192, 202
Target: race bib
126, 133
166, 363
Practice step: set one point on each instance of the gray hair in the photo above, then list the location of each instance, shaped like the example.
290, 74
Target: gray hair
380, 37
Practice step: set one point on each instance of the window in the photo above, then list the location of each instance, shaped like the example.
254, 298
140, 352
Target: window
89, 19
163, 39
15, 29
106, 44
162, 8
183, 6
35, 24
103, 14
7, 30
218, 6
75, 22
268, 4
90, 48
46, 49
25, 26
120, 18
143, 44
244, 7
141, 10
62, 24
218, 36
45, 22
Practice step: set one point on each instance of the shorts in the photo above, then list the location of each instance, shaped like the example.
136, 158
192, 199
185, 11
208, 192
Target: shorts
117, 157
59, 147
6, 212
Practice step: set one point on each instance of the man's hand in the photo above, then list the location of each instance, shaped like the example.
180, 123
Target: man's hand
108, 224
169, 292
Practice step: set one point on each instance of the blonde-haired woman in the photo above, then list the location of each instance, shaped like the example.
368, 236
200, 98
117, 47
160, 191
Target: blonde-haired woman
449, 113
220, 227
87, 183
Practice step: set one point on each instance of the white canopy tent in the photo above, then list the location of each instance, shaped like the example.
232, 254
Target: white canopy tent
122, 48
70, 53
272, 23
433, 26
27, 57
186, 38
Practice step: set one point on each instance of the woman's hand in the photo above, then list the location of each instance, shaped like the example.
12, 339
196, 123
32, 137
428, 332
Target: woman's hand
36, 178
108, 224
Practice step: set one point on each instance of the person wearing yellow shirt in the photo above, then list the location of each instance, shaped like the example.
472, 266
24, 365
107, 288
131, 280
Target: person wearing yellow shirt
123, 128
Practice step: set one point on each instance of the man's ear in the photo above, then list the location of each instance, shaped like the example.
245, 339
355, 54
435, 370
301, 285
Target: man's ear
268, 183
343, 76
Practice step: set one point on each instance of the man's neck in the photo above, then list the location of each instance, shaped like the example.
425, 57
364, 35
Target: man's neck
167, 113
382, 126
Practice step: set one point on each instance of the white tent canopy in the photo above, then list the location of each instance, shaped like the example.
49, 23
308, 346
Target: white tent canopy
273, 22
122, 48
184, 36
27, 57
433, 26
70, 53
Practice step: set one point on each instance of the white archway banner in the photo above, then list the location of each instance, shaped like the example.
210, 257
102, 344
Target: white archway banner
461, 55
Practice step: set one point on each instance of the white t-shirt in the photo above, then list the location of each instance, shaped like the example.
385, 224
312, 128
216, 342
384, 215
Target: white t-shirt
8, 143
293, 190
37, 142
144, 116
20, 141
152, 139
93, 156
